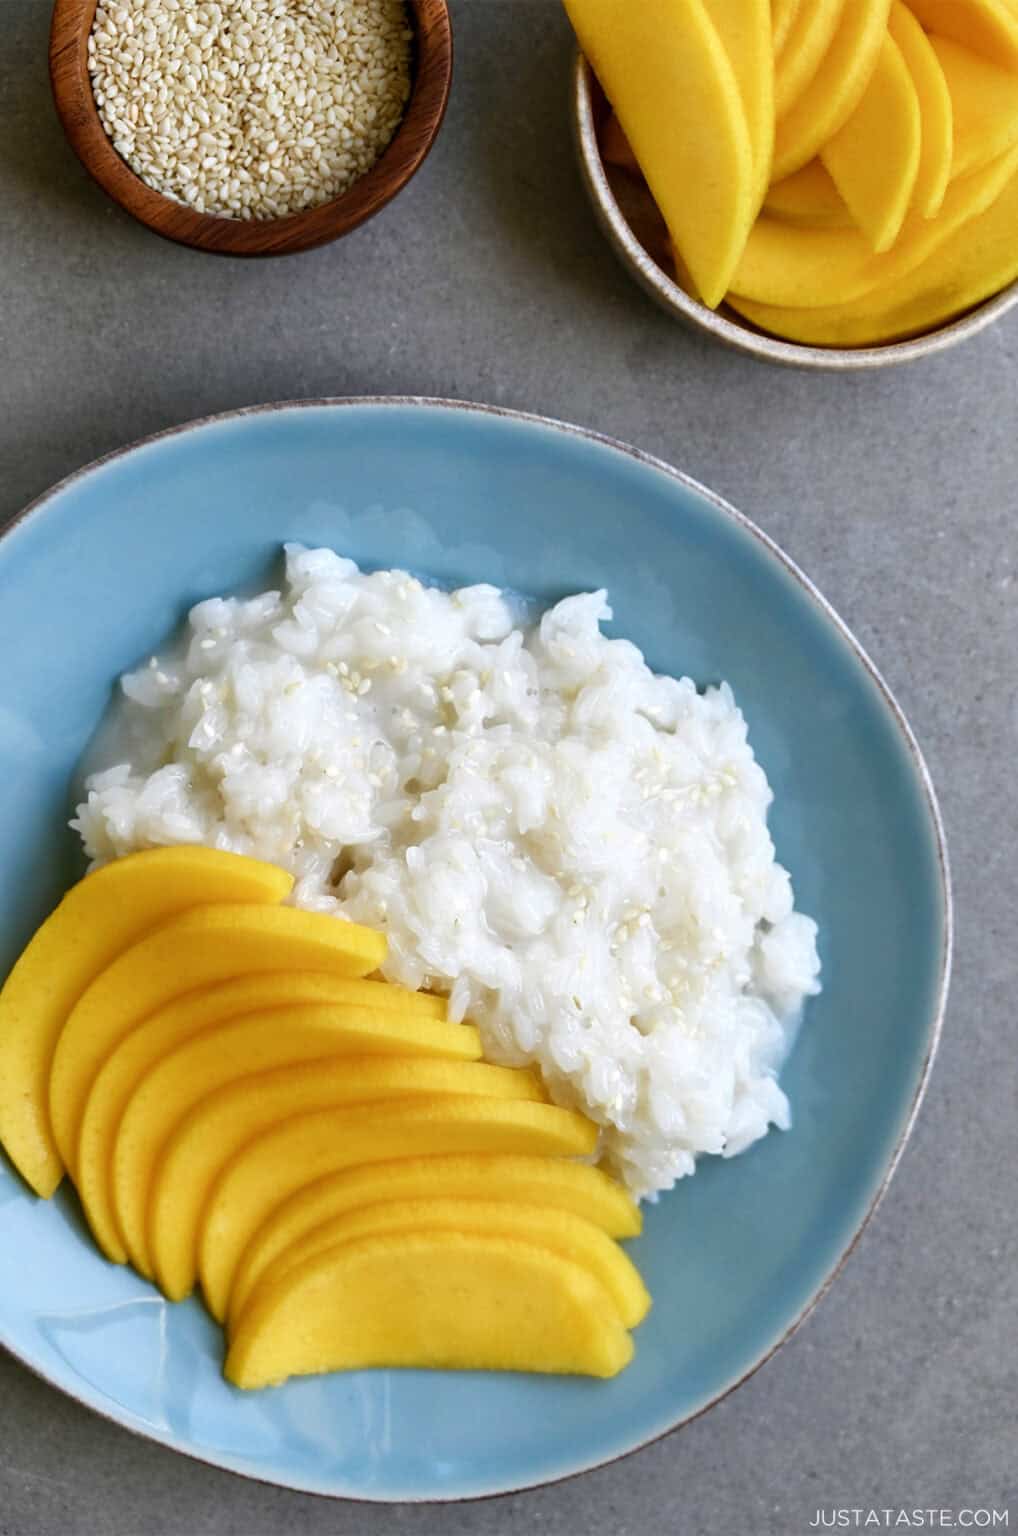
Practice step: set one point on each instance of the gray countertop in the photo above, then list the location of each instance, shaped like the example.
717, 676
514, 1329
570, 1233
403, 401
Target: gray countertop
487, 280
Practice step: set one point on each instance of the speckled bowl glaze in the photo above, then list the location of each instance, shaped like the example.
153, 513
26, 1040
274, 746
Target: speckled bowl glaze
97, 574
724, 325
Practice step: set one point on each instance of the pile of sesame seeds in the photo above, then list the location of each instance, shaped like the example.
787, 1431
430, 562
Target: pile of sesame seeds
250, 108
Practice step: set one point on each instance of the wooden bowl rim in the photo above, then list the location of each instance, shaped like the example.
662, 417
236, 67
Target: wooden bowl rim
400, 160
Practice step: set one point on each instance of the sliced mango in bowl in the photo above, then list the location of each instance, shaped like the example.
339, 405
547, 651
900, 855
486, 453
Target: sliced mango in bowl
984, 103
783, 14
809, 198
798, 56
873, 159
892, 121
672, 86
936, 139
836, 89
969, 266
744, 30
988, 27
790, 267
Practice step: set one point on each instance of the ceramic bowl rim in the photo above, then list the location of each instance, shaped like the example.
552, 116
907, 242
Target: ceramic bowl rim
36, 510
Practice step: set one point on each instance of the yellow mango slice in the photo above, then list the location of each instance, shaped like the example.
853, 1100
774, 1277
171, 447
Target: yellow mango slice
809, 37
873, 159
205, 945
241, 1057
783, 14
549, 1182
100, 916
559, 1231
815, 268
161, 1180
937, 136
978, 260
670, 82
989, 27
835, 90
224, 1123
283, 1160
452, 1301
984, 99
808, 197
192, 1046
744, 27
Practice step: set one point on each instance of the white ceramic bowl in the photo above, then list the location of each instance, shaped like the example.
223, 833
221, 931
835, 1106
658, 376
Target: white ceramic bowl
724, 325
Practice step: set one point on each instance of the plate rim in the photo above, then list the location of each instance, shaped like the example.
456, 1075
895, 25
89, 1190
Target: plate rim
35, 510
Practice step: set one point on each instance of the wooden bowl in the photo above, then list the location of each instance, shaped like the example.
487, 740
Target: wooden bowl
72, 92
629, 219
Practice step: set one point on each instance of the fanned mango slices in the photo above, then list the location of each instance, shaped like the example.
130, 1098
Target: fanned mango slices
311, 1146
179, 1021
235, 1099
220, 1124
97, 919
426, 1298
893, 120
203, 946
552, 1183
122, 1136
559, 1231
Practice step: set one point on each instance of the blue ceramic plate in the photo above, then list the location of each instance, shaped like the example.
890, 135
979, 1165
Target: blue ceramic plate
95, 577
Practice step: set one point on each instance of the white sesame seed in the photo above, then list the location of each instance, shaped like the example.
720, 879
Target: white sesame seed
303, 96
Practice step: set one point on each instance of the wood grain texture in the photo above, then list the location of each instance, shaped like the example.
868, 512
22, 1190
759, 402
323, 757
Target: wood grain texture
72, 92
